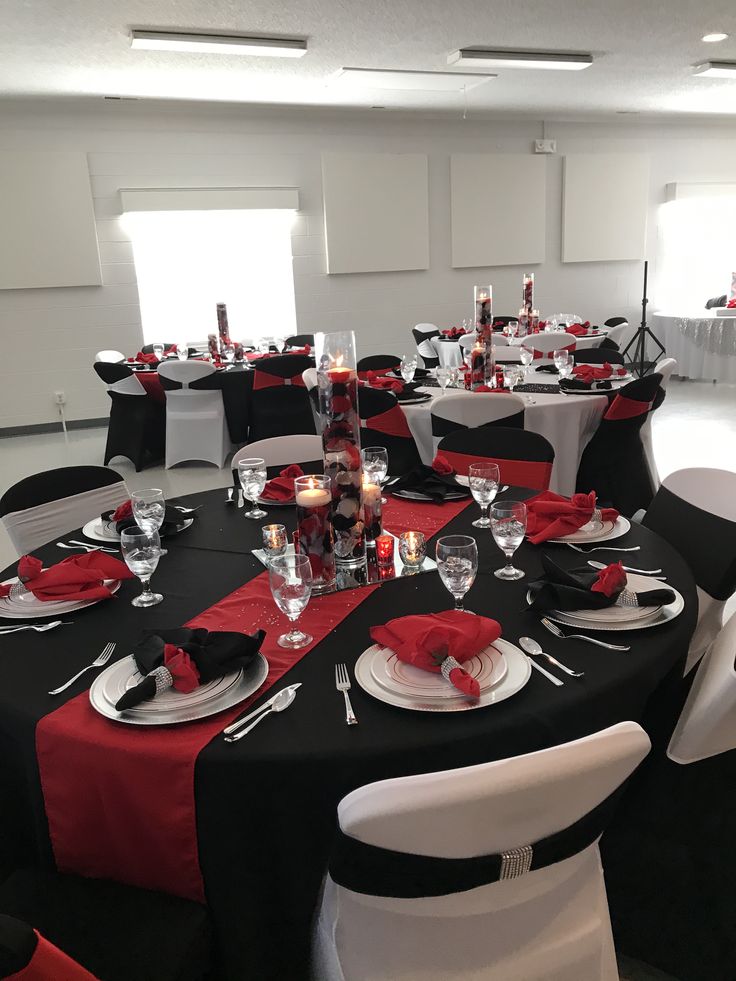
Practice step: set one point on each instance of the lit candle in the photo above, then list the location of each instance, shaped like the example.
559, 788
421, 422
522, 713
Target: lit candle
384, 549
274, 539
412, 548
372, 510
313, 496
314, 529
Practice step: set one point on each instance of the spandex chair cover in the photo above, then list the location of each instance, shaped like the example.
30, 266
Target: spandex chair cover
467, 342
616, 332
598, 355
422, 335
280, 451
137, 426
461, 411
196, 428
480, 902
48, 505
524, 458
377, 362
280, 403
614, 461
27, 956
544, 345
383, 423
112, 357
299, 340
695, 511
665, 368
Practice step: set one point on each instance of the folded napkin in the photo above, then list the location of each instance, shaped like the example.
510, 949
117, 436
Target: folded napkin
440, 643
78, 577
550, 369
585, 589
592, 372
124, 520
578, 385
281, 488
550, 515
579, 330
378, 380
435, 481
184, 659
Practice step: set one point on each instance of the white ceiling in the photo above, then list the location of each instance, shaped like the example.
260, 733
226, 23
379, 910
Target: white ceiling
643, 52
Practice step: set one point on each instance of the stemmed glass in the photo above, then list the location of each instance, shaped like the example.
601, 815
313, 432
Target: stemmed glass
508, 524
290, 577
408, 367
483, 479
229, 354
158, 350
566, 369
512, 375
457, 564
443, 377
142, 550
252, 474
560, 358
454, 376
526, 356
375, 465
149, 509
182, 351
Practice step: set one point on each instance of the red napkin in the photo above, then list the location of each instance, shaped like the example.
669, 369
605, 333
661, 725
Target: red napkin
281, 488
579, 330
80, 577
485, 388
442, 465
550, 515
590, 372
300, 350
144, 358
376, 380
429, 640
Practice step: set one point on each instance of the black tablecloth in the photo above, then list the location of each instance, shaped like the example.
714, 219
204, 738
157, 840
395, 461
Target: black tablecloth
266, 805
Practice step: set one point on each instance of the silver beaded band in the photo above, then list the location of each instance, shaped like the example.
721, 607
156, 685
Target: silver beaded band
627, 598
163, 679
448, 665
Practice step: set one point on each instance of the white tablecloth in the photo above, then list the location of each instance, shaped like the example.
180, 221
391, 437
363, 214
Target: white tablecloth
704, 347
449, 352
567, 421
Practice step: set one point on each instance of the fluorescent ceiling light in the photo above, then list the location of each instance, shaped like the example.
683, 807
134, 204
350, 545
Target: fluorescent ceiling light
269, 47
380, 78
713, 38
487, 58
716, 69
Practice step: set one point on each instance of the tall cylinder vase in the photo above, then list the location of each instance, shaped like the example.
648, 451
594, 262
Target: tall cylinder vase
483, 374
337, 380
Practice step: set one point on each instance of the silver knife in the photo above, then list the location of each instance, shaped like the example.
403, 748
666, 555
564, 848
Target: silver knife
241, 499
261, 708
545, 672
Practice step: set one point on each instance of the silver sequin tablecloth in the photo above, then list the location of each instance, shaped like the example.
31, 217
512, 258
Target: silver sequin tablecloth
704, 347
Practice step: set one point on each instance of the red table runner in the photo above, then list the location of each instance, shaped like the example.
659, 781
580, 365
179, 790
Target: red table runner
120, 799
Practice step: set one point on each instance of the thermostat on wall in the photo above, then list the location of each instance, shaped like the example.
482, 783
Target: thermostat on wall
545, 146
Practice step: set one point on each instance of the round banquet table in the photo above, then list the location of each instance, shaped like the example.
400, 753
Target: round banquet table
567, 421
265, 806
704, 347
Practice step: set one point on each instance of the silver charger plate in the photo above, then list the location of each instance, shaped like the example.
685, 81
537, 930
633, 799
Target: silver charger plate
517, 675
104, 531
30, 608
221, 694
410, 495
264, 502
489, 668
610, 531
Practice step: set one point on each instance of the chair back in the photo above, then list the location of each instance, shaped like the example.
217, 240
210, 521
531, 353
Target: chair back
544, 344
549, 924
280, 403
299, 340
423, 334
280, 451
666, 368
183, 373
50, 504
500, 340
467, 342
119, 378
383, 423
598, 355
608, 345
377, 362
28, 956
616, 332
114, 357
524, 458
167, 345
707, 723
463, 411
616, 322
504, 320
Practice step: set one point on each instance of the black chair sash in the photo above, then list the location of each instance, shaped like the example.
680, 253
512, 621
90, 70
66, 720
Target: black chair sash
299, 340
615, 321
375, 871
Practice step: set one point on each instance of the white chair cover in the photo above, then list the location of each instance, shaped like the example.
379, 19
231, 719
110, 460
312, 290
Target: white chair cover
280, 451
551, 924
35, 526
500, 340
471, 412
130, 385
196, 428
467, 342
547, 343
665, 368
707, 724
616, 333
113, 357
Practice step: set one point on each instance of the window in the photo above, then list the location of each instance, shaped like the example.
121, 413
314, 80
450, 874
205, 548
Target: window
188, 261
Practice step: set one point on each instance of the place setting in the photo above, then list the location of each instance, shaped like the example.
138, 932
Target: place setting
145, 508
434, 483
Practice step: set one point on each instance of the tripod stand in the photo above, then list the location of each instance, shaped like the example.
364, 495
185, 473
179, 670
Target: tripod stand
638, 362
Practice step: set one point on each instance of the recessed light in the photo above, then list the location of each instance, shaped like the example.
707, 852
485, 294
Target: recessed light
399, 79
716, 69
713, 38
270, 47
550, 60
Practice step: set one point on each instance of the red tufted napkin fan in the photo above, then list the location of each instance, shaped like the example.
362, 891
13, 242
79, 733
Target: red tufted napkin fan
281, 488
550, 515
79, 577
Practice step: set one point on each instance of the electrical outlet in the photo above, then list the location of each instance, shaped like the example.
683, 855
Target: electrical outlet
60, 398
545, 146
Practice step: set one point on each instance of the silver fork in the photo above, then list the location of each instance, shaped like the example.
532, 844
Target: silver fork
102, 658
75, 546
342, 683
40, 627
602, 548
554, 629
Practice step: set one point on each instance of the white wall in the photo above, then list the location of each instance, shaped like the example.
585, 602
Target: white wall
49, 337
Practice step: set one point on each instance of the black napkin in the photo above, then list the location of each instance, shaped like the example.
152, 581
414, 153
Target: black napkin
213, 654
561, 590
173, 520
577, 385
427, 481
550, 369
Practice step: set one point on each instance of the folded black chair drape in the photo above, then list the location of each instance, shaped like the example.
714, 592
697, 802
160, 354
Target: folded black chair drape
137, 426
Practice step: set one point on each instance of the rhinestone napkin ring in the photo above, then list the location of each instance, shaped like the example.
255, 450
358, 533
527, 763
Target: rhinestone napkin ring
163, 679
448, 665
627, 598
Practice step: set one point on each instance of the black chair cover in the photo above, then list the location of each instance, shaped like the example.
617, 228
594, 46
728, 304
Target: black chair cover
377, 362
429, 359
598, 355
137, 426
443, 427
52, 485
525, 458
280, 410
608, 345
383, 423
614, 463
299, 340
615, 321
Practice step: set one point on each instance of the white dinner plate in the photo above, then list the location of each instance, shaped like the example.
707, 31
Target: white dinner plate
266, 503
27, 607
172, 707
609, 531
410, 495
488, 668
518, 670
104, 531
582, 619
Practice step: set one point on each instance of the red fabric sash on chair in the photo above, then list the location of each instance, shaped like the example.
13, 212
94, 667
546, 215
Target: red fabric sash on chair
626, 408
390, 423
519, 473
262, 379
48, 963
547, 355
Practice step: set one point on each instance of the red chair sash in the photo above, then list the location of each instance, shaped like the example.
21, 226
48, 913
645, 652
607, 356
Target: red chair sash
547, 355
390, 423
263, 379
50, 964
519, 473
626, 408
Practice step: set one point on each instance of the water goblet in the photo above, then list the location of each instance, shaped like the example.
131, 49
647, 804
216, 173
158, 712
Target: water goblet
375, 465
508, 524
566, 369
149, 508
510, 376
141, 551
457, 564
408, 367
526, 356
560, 358
182, 351
483, 479
290, 577
264, 345
454, 376
158, 350
252, 475
443, 377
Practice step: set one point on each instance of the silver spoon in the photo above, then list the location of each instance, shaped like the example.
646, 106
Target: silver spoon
282, 701
554, 629
601, 548
627, 568
532, 647
39, 627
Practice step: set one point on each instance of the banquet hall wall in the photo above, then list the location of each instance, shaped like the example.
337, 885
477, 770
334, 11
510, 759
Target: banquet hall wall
50, 336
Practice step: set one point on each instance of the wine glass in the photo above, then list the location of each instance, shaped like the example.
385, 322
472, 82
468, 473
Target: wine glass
182, 351
454, 376
408, 367
290, 577
483, 479
158, 350
229, 354
443, 377
560, 358
566, 369
264, 345
252, 474
526, 356
457, 564
141, 551
375, 465
508, 524
510, 376
149, 508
